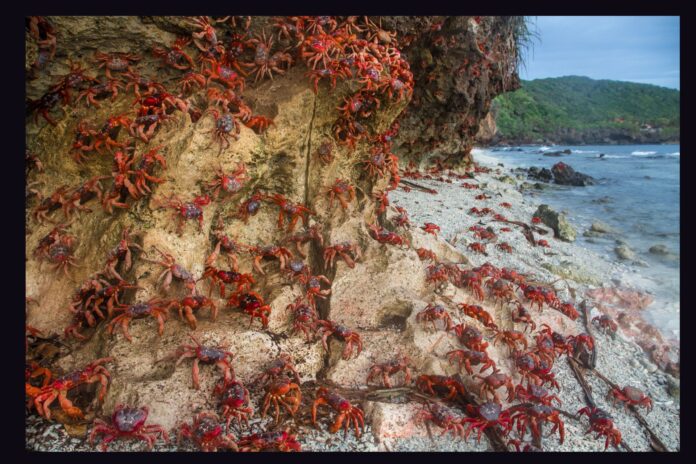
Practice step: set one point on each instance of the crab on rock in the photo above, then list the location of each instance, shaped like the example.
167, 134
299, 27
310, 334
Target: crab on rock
127, 422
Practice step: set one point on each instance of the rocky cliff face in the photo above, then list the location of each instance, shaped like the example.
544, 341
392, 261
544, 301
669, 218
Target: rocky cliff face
455, 66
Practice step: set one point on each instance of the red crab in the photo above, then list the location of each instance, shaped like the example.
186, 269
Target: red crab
281, 366
220, 277
144, 168
339, 190
311, 233
522, 316
191, 303
487, 415
347, 413
436, 273
251, 206
265, 63
144, 125
501, 289
313, 286
431, 228
270, 251
100, 90
425, 254
251, 303
324, 152
510, 338
387, 369
94, 372
304, 317
583, 349
444, 417
472, 280
382, 235
478, 313
206, 431
535, 415
536, 220
295, 211
226, 75
504, 246
175, 55
270, 441
469, 358
470, 337
127, 422
493, 382
567, 309
477, 247
334, 72
631, 396
425, 383
319, 47
533, 294
602, 423
432, 313
190, 80
229, 246
156, 308
121, 254
606, 323
561, 344
207, 355
536, 394
234, 398
226, 126
188, 210
284, 392
118, 62
60, 253
402, 221
327, 328
139, 82
543, 243
342, 249
172, 270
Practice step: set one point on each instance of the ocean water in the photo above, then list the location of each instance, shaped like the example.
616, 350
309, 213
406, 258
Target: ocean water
637, 193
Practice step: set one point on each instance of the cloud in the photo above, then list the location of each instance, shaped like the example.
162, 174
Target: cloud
630, 48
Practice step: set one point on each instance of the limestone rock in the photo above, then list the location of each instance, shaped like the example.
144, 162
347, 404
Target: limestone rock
556, 221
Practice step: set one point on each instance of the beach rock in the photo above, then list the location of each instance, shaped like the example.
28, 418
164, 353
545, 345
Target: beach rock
542, 174
623, 251
558, 153
602, 228
507, 180
563, 174
659, 250
556, 221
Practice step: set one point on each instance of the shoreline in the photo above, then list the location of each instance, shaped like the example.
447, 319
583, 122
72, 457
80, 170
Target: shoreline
618, 358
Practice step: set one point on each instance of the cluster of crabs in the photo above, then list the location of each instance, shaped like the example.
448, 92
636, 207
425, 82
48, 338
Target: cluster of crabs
213, 64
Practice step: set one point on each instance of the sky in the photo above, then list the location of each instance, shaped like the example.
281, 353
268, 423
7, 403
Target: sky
642, 49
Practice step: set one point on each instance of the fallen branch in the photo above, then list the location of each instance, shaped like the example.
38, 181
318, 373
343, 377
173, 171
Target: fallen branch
583, 383
527, 229
418, 187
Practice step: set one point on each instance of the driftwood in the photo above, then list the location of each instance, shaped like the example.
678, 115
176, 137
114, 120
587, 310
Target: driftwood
417, 186
527, 230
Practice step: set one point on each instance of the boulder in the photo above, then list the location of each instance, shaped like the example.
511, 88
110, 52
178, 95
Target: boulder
563, 174
659, 250
624, 252
542, 174
556, 221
